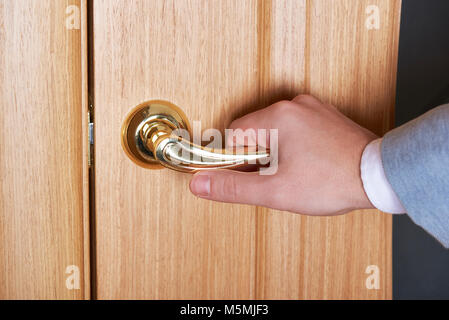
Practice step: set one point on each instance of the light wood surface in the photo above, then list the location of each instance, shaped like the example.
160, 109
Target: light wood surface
323, 48
219, 60
154, 239
43, 202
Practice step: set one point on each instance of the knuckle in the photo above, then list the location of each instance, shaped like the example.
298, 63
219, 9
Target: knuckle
235, 124
305, 99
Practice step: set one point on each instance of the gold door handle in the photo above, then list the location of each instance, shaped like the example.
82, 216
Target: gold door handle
149, 139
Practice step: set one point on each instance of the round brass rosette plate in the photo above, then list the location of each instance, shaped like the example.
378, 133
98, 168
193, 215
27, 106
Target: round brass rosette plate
155, 110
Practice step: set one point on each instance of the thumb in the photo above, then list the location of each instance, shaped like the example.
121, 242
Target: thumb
231, 186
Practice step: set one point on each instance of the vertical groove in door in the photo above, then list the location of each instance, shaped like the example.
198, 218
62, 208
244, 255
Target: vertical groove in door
87, 256
308, 5
89, 18
264, 57
282, 71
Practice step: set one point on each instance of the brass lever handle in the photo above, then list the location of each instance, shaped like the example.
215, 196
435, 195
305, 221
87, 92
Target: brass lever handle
148, 139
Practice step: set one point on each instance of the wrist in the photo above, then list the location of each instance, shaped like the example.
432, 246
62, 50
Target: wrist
375, 183
354, 193
362, 200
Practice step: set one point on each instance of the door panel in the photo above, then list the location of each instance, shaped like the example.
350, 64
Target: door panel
154, 239
43, 163
354, 69
219, 60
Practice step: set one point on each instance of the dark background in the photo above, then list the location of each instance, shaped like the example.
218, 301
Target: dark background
420, 263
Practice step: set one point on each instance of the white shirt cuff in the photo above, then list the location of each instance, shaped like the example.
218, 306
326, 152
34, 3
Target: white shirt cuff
375, 183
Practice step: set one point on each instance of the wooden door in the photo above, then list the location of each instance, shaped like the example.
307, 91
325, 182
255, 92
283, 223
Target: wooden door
44, 229
219, 60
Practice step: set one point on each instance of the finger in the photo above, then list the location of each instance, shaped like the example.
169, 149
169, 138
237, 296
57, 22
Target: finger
249, 137
306, 100
231, 186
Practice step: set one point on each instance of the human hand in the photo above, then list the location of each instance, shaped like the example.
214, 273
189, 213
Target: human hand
318, 162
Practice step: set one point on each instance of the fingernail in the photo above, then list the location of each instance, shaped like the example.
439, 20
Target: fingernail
201, 185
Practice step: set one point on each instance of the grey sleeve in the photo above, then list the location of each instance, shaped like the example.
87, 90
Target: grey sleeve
415, 157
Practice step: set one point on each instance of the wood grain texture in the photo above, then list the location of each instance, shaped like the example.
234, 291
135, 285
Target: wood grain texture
155, 239
343, 63
217, 61
43, 203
